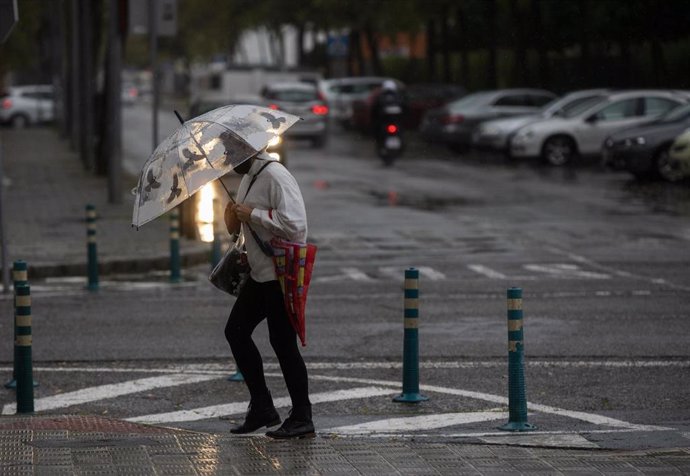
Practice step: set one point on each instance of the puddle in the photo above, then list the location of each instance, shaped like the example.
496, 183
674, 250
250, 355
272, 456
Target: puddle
418, 201
658, 197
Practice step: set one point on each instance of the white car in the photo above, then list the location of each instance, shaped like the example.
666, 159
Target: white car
582, 132
679, 154
340, 93
495, 134
24, 106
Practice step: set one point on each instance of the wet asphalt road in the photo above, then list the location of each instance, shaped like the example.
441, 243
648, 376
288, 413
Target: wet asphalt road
602, 260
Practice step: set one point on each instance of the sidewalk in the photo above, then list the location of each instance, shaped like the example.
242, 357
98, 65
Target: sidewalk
46, 192
95, 445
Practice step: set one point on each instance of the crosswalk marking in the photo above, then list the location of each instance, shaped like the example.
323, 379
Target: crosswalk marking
215, 411
102, 392
419, 423
486, 271
356, 274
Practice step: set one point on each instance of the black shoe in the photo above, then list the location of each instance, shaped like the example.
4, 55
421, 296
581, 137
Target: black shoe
297, 425
258, 416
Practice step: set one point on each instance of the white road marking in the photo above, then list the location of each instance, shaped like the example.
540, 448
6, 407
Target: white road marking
611, 270
356, 274
102, 392
419, 423
216, 411
587, 417
486, 271
565, 271
228, 369
431, 273
398, 273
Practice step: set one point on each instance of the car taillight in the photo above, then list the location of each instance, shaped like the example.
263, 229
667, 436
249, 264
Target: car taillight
320, 109
391, 128
452, 119
273, 106
6, 103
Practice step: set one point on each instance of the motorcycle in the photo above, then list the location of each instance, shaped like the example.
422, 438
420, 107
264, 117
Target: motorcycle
389, 137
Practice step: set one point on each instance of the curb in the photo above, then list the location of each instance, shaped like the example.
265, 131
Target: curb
118, 265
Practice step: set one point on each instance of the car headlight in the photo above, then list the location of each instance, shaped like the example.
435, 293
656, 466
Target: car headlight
634, 141
489, 131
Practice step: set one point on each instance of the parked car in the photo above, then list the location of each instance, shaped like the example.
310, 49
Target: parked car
303, 100
340, 93
644, 150
454, 123
23, 106
582, 132
680, 155
495, 134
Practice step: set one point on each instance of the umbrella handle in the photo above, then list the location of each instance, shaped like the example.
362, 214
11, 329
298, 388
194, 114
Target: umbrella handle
179, 118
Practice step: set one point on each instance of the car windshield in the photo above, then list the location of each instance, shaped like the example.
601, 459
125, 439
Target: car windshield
292, 95
677, 114
582, 107
470, 101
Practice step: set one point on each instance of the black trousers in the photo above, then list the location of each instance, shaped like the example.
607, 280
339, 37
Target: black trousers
256, 302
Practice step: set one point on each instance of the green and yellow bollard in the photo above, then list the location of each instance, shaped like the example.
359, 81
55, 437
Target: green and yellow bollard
25, 381
517, 401
91, 250
410, 391
175, 245
20, 275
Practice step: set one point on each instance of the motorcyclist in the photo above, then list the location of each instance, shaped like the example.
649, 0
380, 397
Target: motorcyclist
388, 107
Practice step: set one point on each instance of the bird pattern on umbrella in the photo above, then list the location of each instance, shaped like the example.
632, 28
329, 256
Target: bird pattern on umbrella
201, 150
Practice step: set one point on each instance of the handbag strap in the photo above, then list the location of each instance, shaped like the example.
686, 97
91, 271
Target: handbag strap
265, 247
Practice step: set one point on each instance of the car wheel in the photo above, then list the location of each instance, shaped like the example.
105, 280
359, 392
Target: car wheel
667, 168
558, 150
19, 121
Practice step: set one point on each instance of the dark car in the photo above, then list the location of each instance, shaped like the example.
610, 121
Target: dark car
420, 98
643, 150
454, 123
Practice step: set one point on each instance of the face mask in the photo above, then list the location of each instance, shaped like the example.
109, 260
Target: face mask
244, 167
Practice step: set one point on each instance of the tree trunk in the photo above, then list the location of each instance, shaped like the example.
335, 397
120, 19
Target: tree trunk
464, 50
658, 62
539, 42
585, 51
300, 44
355, 62
626, 63
445, 45
491, 71
519, 50
431, 49
373, 49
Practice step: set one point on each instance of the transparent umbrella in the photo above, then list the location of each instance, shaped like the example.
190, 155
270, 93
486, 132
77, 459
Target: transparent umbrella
201, 150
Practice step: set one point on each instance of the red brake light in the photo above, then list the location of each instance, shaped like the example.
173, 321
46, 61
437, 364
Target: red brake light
273, 106
391, 128
452, 119
320, 109
6, 103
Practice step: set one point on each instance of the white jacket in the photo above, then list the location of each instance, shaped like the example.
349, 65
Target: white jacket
278, 212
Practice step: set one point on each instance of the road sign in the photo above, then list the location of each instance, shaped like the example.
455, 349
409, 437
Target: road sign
9, 16
166, 12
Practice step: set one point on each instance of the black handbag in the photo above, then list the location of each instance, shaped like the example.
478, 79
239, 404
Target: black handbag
232, 271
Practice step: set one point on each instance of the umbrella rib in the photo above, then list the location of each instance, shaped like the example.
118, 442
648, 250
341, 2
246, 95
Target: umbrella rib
207, 160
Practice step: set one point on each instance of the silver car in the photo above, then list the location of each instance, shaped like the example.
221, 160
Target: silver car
581, 132
495, 134
454, 123
303, 100
23, 106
